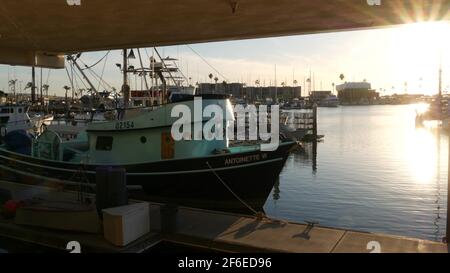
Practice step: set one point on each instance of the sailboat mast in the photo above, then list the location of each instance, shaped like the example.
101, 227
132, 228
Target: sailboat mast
33, 84
440, 80
276, 87
40, 89
125, 66
125, 86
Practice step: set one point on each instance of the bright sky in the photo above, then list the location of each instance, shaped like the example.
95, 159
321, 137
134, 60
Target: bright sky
388, 58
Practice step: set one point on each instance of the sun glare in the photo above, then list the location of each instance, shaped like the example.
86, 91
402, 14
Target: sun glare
416, 53
426, 32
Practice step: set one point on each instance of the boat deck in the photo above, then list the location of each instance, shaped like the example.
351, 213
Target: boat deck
217, 231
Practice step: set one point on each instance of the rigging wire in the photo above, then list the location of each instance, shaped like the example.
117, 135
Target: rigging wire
91, 66
82, 81
201, 57
144, 74
103, 70
94, 74
48, 76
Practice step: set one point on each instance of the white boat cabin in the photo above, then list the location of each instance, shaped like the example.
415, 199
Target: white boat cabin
142, 135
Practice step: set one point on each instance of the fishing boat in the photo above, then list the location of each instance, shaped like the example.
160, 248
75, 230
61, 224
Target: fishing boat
205, 174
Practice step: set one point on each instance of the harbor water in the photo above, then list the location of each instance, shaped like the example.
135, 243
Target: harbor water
374, 171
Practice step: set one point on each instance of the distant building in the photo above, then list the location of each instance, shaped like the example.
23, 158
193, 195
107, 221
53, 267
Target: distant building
233, 89
356, 93
251, 93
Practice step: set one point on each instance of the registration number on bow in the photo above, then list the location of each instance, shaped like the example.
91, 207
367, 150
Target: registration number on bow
124, 125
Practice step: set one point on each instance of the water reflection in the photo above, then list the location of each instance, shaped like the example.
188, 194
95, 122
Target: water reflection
276, 190
374, 171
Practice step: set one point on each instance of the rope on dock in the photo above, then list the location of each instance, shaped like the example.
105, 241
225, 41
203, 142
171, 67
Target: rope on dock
232, 192
259, 215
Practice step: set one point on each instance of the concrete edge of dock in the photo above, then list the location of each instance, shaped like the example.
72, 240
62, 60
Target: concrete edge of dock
217, 231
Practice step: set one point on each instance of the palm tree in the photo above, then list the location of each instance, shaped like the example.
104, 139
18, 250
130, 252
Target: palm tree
66, 88
12, 85
81, 90
45, 88
211, 76
29, 85
258, 84
295, 82
342, 77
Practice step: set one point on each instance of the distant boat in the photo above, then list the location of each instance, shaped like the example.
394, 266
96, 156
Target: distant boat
329, 101
14, 117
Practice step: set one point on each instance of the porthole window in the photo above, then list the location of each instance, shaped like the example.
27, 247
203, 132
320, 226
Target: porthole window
143, 139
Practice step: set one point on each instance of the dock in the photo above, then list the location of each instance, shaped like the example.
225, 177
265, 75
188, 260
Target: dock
215, 231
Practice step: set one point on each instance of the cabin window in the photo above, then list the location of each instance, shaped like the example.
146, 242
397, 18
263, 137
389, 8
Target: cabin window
5, 111
104, 143
143, 140
4, 120
20, 110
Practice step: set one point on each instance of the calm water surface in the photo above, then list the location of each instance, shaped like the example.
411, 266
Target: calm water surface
374, 171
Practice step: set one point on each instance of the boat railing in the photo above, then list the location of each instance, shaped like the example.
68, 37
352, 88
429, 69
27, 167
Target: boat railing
17, 122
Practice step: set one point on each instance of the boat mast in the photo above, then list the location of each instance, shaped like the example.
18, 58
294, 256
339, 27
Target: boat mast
33, 84
40, 90
125, 86
154, 81
276, 87
440, 80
